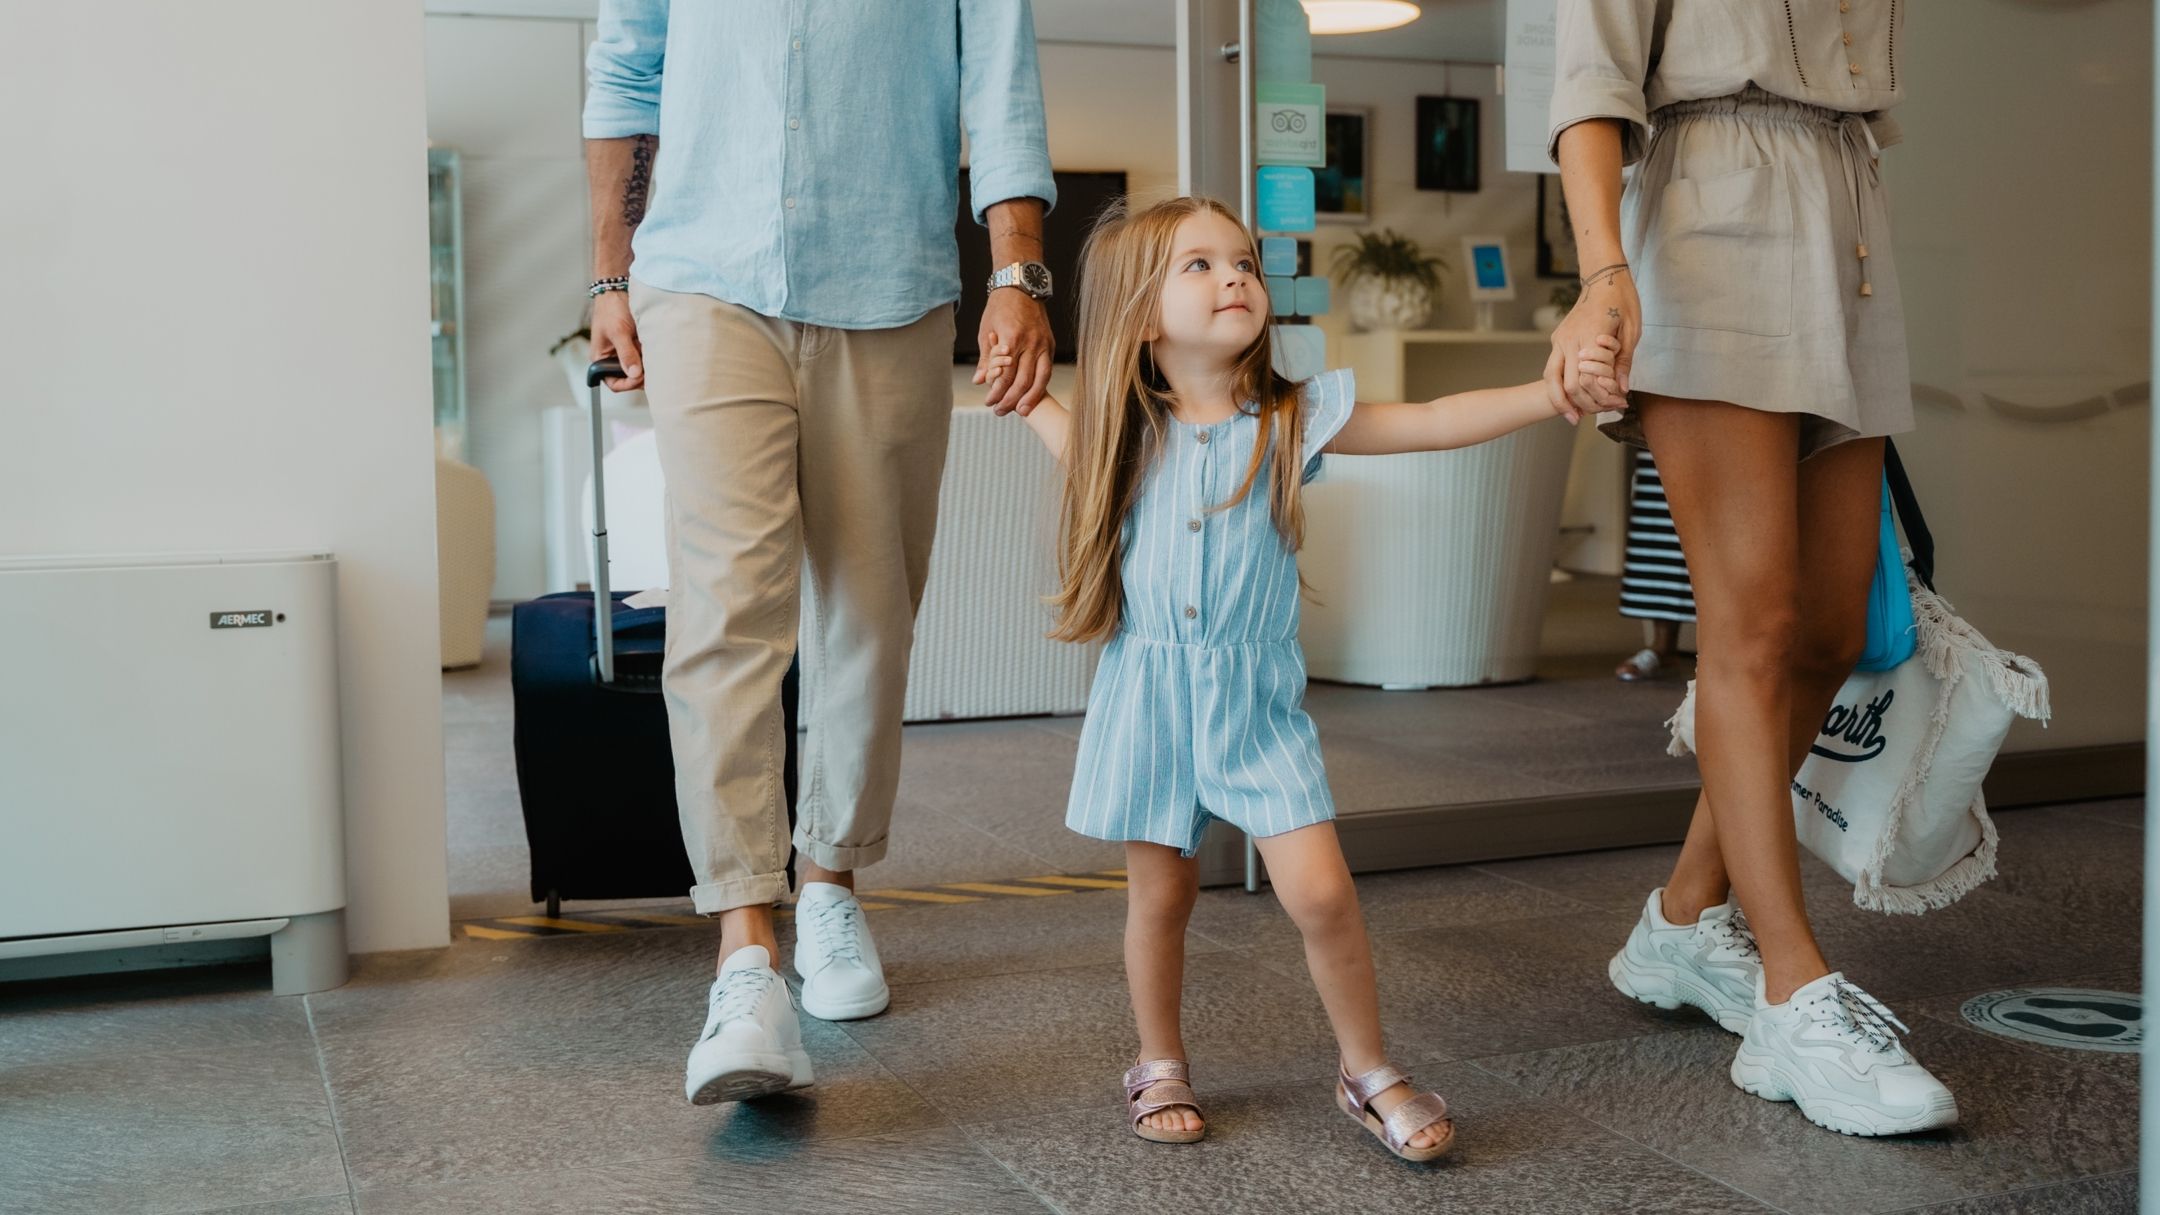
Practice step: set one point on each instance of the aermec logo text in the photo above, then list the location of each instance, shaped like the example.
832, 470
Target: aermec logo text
242, 620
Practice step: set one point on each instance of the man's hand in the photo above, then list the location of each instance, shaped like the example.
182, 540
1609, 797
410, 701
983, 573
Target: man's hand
1014, 324
614, 335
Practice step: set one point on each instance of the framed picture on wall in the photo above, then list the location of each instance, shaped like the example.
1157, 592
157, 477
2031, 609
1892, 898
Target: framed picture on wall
1447, 144
1555, 232
1342, 188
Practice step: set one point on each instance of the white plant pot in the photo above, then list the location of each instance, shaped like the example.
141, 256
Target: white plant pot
1389, 303
1547, 317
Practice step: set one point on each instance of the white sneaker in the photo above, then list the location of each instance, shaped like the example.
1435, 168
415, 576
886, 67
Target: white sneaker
1712, 964
1834, 1051
842, 979
752, 1044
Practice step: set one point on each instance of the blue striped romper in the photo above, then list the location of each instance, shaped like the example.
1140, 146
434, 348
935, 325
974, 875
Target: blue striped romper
1197, 710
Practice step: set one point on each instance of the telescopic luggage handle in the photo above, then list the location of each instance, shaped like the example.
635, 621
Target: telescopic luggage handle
599, 372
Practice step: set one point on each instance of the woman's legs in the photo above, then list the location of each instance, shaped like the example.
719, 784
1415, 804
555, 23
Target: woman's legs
1161, 884
1732, 478
1311, 879
1837, 502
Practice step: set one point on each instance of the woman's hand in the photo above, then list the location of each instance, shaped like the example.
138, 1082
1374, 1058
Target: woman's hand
1608, 307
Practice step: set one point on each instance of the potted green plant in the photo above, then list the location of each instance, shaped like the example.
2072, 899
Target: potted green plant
1547, 316
1388, 282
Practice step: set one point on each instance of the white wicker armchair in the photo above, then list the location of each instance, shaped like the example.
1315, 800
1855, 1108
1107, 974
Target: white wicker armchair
465, 558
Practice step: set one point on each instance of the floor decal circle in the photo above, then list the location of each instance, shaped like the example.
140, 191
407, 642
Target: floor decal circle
2078, 1018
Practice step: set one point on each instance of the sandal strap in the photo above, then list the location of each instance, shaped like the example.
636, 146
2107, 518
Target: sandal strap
1166, 1094
1362, 1089
1412, 1116
1142, 1075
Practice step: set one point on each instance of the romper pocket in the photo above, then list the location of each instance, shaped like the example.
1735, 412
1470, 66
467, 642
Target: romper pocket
1723, 254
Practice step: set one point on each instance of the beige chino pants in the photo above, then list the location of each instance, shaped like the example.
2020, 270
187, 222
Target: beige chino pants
783, 441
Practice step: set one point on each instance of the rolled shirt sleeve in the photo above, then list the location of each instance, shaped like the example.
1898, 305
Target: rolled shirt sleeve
622, 70
1001, 105
1603, 52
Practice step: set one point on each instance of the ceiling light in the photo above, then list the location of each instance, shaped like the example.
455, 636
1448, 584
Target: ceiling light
1358, 16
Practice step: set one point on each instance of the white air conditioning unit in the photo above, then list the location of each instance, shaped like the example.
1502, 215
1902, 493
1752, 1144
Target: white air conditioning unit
169, 758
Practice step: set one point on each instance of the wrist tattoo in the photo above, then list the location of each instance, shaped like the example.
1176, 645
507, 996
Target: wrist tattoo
637, 189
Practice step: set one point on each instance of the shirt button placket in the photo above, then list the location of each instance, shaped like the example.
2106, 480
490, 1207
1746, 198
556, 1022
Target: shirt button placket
1192, 525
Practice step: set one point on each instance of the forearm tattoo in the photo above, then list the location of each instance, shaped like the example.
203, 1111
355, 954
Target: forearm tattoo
637, 189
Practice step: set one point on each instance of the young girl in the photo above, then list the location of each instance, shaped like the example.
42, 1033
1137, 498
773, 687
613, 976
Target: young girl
1185, 453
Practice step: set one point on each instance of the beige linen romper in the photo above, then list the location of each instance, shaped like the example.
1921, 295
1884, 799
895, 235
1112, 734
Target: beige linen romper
1755, 221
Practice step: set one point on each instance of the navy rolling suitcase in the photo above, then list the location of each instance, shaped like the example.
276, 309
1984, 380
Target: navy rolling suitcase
595, 772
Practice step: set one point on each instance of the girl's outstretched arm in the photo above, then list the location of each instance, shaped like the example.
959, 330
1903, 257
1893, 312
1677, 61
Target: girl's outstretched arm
1049, 419
1467, 418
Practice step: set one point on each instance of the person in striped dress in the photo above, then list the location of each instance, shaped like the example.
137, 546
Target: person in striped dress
1653, 578
1184, 456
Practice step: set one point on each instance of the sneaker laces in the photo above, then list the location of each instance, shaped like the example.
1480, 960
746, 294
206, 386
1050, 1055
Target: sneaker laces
1864, 1017
740, 993
837, 927
1732, 934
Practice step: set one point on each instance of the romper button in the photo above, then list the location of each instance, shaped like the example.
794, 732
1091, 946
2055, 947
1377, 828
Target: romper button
1192, 525
1191, 611
1855, 68
1204, 436
1848, 38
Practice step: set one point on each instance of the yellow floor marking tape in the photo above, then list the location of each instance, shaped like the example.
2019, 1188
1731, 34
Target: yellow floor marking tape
541, 921
922, 896
994, 888
1086, 883
496, 934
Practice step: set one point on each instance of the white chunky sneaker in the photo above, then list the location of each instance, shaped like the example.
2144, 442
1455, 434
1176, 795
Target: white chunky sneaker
842, 979
1712, 964
752, 1044
1834, 1051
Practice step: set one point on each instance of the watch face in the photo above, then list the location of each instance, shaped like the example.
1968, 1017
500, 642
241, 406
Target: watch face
1035, 278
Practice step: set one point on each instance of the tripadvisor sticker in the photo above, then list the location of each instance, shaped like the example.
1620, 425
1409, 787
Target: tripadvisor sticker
2075, 1017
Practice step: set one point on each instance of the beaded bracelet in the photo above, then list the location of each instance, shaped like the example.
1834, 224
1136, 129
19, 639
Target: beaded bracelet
601, 286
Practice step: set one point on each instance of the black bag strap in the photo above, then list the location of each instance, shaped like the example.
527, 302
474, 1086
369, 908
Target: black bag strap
1909, 516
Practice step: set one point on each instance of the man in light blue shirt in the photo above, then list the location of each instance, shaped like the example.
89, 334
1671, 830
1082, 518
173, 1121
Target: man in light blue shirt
773, 190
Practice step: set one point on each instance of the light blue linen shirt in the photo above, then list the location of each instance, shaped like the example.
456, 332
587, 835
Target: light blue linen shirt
810, 149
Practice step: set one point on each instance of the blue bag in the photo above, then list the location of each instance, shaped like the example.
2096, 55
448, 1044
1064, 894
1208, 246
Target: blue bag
1892, 636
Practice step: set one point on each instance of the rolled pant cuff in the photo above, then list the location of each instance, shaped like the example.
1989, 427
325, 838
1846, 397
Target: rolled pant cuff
840, 858
758, 890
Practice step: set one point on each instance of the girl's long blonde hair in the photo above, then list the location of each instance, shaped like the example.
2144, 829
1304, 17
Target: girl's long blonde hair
1121, 410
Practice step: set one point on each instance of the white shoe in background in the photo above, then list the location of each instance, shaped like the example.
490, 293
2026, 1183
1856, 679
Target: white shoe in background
1834, 1051
1712, 964
752, 1044
842, 979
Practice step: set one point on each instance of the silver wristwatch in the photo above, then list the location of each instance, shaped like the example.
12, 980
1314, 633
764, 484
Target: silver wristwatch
1031, 277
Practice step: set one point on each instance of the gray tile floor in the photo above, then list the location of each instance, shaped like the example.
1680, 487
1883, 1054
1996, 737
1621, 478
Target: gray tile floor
544, 1075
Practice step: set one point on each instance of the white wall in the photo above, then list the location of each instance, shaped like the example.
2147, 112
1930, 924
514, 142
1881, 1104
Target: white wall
215, 229
2022, 198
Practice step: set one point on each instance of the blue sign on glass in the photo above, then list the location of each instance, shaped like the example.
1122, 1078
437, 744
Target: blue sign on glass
1284, 194
1278, 256
1282, 296
1312, 296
